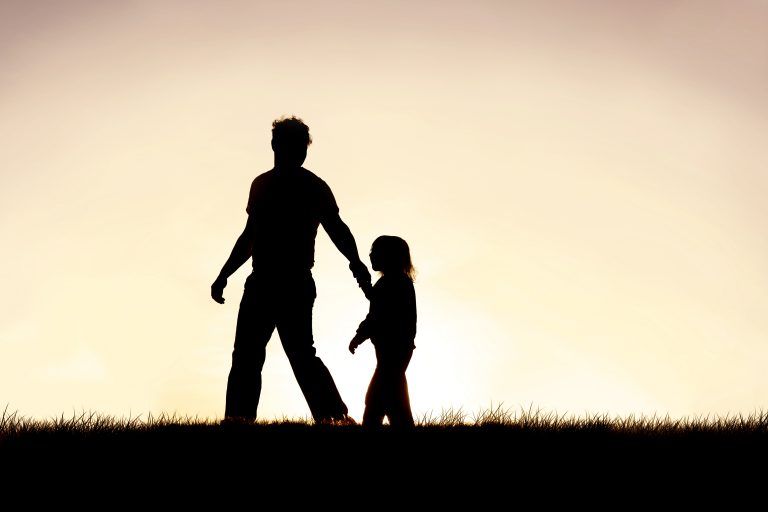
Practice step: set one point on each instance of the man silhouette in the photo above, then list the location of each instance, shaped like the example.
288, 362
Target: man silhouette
285, 207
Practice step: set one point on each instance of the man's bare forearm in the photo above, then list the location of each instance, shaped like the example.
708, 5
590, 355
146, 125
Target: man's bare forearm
242, 250
240, 254
342, 238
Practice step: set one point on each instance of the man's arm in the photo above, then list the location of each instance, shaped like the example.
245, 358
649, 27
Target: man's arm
344, 241
240, 253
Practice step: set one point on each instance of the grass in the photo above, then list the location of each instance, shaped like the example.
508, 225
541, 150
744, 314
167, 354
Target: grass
15, 427
454, 456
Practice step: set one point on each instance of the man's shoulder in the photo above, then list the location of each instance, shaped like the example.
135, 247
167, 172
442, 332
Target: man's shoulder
264, 176
302, 174
312, 177
318, 187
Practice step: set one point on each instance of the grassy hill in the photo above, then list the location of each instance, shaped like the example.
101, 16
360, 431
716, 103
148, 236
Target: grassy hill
446, 459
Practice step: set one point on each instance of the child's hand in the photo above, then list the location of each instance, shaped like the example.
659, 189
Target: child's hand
356, 342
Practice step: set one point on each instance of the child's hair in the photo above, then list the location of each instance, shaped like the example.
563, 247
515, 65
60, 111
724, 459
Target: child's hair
395, 255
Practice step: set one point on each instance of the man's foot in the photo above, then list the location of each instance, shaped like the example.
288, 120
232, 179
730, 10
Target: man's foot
346, 420
237, 420
340, 421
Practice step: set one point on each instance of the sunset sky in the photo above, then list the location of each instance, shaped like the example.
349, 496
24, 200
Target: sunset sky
582, 183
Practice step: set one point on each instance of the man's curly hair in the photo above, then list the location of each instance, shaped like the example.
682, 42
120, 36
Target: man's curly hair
290, 132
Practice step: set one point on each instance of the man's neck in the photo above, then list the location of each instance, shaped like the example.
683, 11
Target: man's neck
286, 167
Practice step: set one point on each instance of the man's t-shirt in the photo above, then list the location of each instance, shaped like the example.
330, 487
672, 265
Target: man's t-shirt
286, 207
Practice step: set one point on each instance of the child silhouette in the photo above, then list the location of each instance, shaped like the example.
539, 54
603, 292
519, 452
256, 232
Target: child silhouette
391, 326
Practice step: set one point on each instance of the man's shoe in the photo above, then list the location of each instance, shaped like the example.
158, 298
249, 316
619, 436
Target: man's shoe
237, 420
345, 420
340, 421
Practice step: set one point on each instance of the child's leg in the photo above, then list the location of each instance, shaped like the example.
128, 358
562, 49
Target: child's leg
374, 401
397, 404
400, 414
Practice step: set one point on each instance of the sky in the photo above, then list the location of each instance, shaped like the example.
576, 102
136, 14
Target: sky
582, 185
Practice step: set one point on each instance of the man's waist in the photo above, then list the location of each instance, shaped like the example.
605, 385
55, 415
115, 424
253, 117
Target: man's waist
267, 262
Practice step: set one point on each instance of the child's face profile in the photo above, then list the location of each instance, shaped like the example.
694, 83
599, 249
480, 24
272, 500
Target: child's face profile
375, 259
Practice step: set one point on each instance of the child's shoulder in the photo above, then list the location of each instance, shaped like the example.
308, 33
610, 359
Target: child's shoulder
393, 281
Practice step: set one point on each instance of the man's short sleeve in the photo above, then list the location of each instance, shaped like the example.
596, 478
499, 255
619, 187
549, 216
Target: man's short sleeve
327, 202
253, 194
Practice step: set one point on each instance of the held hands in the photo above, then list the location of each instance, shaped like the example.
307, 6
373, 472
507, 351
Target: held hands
217, 289
362, 276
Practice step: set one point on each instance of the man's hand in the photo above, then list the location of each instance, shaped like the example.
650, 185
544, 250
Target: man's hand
363, 277
217, 289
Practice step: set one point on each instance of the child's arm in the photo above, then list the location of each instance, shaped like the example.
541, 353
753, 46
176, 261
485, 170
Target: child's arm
364, 329
356, 342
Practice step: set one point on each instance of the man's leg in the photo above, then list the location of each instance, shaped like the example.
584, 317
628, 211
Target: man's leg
255, 325
294, 325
